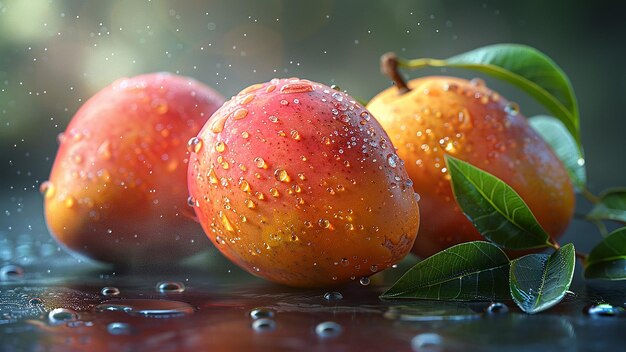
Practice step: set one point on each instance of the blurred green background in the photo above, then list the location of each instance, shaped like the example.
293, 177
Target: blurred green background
54, 55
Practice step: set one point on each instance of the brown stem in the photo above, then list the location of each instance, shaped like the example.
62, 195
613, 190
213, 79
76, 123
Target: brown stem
389, 67
554, 244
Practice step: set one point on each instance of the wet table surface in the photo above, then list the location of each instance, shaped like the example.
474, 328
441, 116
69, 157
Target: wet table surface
57, 303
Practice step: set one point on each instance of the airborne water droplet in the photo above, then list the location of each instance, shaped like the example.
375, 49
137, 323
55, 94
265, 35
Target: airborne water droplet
194, 145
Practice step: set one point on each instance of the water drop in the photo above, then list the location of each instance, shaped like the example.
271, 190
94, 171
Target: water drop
497, 308
274, 192
110, 291
512, 108
244, 185
161, 108
393, 160
226, 222
335, 87
240, 114
220, 147
282, 175
263, 325
149, 308
580, 162
261, 313
295, 135
191, 201
604, 310
47, 189
170, 287
284, 102
374, 268
61, 315
296, 88
337, 96
118, 328
328, 329
35, 301
11, 272
333, 296
364, 281
260, 163
213, 177
428, 341
245, 135
270, 88
324, 223
477, 82
250, 203
194, 145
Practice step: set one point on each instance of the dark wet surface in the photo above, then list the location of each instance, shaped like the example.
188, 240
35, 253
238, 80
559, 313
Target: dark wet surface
50, 301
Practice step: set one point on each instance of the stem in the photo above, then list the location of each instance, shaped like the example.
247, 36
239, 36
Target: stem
553, 244
601, 227
590, 196
389, 67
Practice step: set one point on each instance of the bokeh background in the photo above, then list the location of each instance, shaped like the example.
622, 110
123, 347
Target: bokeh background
54, 55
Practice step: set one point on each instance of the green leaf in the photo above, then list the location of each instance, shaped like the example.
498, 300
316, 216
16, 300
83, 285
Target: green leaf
556, 135
608, 259
526, 68
465, 272
539, 281
612, 206
495, 209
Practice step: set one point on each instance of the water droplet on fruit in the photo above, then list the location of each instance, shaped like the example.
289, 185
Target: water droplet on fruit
296, 88
284, 102
323, 223
335, 87
364, 281
194, 145
337, 96
191, 201
273, 119
333, 296
226, 222
274, 192
374, 268
47, 189
497, 308
250, 203
281, 175
251, 88
247, 99
477, 82
220, 147
11, 272
62, 315
218, 124
260, 163
245, 135
393, 160
118, 328
170, 287
604, 310
580, 162
512, 108
110, 291
263, 325
244, 186
240, 114
328, 329
295, 135
270, 88
69, 202
428, 341
262, 313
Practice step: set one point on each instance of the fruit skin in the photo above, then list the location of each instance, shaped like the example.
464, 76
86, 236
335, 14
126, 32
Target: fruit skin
292, 182
117, 190
467, 120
